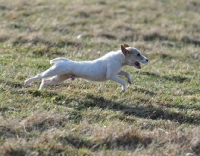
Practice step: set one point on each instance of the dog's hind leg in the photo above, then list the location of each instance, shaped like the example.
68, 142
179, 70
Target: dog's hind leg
54, 70
54, 80
28, 81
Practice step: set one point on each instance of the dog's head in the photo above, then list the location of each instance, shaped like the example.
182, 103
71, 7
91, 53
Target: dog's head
133, 57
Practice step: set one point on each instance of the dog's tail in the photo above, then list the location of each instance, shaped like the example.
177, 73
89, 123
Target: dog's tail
59, 59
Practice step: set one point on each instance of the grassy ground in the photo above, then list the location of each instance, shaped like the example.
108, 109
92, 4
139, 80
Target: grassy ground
158, 115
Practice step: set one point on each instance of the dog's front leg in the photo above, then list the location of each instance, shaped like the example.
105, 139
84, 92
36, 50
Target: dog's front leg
119, 80
127, 75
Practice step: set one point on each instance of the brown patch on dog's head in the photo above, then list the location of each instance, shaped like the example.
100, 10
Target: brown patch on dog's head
124, 50
126, 45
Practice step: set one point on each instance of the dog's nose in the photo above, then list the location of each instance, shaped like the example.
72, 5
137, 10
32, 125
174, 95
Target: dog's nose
147, 60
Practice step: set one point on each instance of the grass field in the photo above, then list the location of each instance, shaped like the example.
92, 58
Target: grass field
158, 115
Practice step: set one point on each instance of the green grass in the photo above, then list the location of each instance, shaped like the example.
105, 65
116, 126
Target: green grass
158, 115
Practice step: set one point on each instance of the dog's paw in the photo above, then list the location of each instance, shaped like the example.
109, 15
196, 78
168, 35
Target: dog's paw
26, 82
123, 88
130, 81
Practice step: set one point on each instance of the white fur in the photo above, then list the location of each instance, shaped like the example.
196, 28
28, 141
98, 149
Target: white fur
59, 59
108, 67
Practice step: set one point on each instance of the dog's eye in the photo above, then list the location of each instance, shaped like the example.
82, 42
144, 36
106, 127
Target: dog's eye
138, 54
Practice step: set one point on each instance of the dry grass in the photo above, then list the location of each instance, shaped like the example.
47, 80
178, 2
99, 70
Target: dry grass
158, 115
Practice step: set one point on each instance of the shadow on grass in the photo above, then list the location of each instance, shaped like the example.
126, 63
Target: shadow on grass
130, 140
7, 132
178, 78
196, 148
144, 111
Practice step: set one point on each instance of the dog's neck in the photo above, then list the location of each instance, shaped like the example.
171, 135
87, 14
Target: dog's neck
122, 59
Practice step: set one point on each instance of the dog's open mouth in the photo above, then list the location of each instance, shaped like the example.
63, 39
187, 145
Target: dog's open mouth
137, 64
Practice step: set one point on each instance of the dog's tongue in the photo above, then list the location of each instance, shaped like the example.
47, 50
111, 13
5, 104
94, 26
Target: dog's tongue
138, 65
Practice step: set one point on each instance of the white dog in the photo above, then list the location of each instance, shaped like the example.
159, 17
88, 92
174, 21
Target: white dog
108, 67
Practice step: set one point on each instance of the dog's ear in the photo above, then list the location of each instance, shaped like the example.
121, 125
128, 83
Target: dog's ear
124, 50
126, 45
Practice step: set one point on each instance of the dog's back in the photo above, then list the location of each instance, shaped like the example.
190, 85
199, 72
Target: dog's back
59, 59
